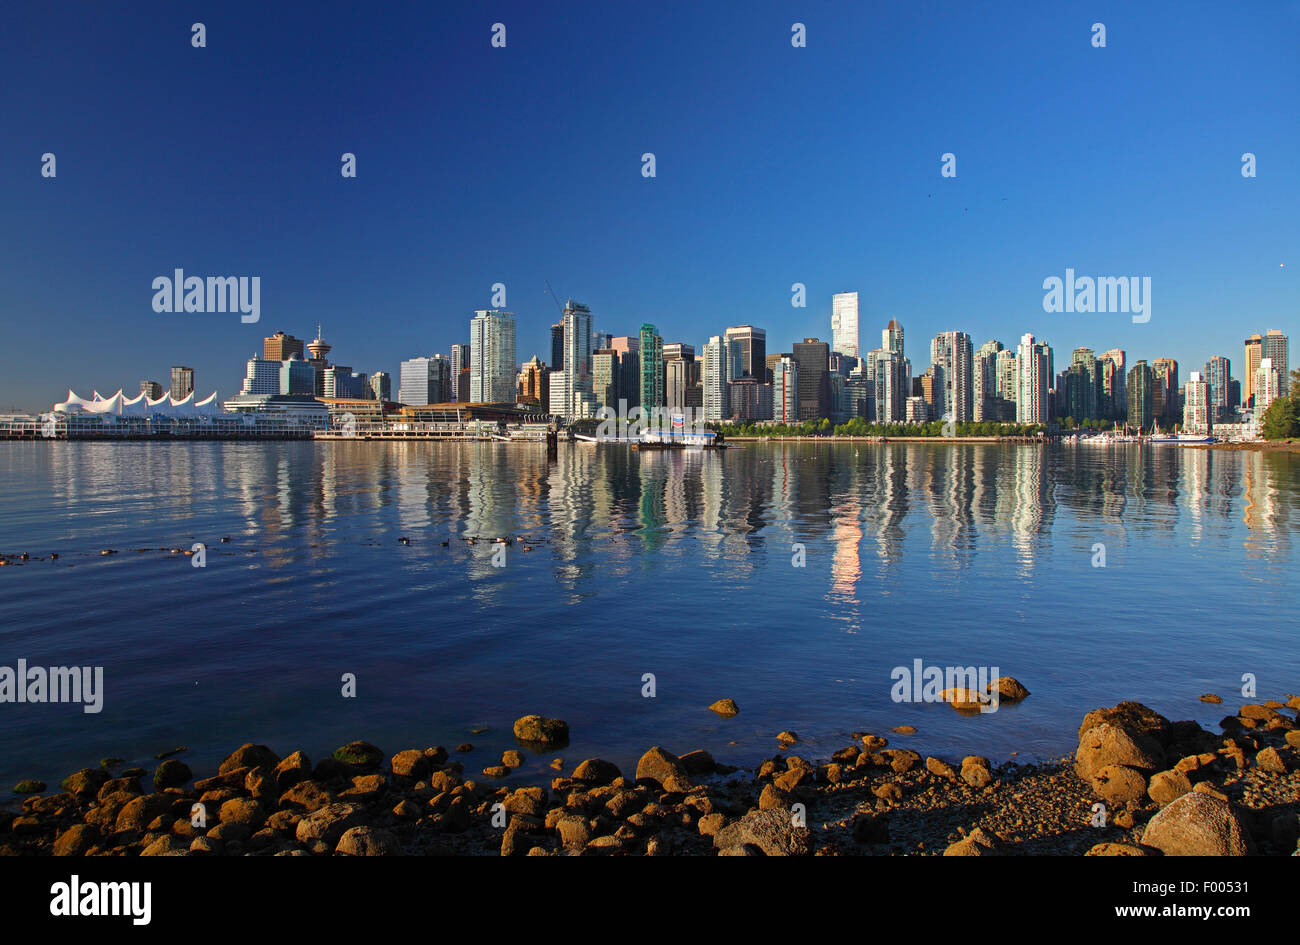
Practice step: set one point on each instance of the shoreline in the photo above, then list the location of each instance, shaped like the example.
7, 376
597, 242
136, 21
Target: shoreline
1138, 784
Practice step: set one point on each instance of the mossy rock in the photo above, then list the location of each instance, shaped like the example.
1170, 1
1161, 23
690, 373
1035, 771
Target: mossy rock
360, 755
111, 762
172, 774
30, 786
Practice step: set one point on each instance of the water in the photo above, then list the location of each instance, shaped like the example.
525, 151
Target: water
675, 564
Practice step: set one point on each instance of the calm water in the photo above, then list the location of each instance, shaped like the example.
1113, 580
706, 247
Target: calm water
673, 564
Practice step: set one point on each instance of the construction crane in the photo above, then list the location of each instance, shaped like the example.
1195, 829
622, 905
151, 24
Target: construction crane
554, 297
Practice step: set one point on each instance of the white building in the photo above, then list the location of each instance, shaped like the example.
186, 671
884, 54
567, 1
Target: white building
577, 359
785, 391
1032, 381
716, 373
954, 388
1197, 416
1267, 386
492, 357
844, 323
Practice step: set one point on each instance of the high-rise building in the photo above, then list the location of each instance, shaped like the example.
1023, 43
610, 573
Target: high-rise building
381, 385
678, 351
1033, 367
1267, 386
679, 374
891, 338
1140, 385
1197, 412
424, 381
889, 389
606, 372
716, 376
844, 323
747, 399
297, 376
343, 383
1006, 380
1165, 390
281, 347
1114, 400
459, 366
651, 367
182, 382
984, 385
492, 356
785, 389
953, 364
1254, 354
151, 389
753, 350
261, 377
1277, 349
533, 385
813, 358
600, 339
1218, 380
557, 347
579, 401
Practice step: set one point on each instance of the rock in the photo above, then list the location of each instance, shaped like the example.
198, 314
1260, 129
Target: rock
769, 830
308, 795
786, 739
76, 840
542, 732
901, 760
368, 841
1293, 739
726, 708
775, 798
328, 824
978, 842
139, 812
710, 824
1269, 759
1118, 785
976, 776
29, 786
741, 849
359, 754
596, 771
904, 730
172, 774
1119, 742
659, 765
292, 770
248, 756
873, 744
85, 784
964, 700
1211, 698
411, 764
1198, 824
575, 832
242, 810
1008, 688
513, 758
1116, 849
1167, 786
698, 762
166, 845
940, 769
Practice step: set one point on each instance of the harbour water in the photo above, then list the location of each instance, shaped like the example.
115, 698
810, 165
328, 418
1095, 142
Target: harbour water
677, 564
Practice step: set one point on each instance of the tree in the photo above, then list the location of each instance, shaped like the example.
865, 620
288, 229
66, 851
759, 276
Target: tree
1280, 420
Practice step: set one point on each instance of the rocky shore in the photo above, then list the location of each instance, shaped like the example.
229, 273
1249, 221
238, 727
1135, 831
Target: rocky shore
1137, 785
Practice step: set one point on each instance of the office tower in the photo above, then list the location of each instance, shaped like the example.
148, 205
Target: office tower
261, 377
1254, 353
844, 323
785, 389
1140, 384
296, 376
1082, 393
578, 398
418, 382
676, 380
929, 393
381, 386
459, 367
860, 389
182, 382
1005, 378
716, 376
678, 351
1033, 364
533, 386
606, 367
1234, 394
1277, 349
1113, 387
888, 387
1197, 412
917, 410
492, 356
557, 347
1165, 390
891, 338
984, 387
1218, 378
281, 347
952, 361
1267, 386
651, 367
753, 350
601, 340
747, 399
771, 360
343, 383
557, 398
151, 389
813, 359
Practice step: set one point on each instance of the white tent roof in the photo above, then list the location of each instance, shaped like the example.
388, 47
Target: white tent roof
140, 406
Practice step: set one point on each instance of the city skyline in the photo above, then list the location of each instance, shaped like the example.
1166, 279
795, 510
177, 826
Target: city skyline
737, 213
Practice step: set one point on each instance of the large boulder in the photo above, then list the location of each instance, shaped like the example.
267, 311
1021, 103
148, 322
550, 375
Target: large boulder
248, 756
1198, 824
1129, 734
659, 766
535, 730
771, 831
328, 824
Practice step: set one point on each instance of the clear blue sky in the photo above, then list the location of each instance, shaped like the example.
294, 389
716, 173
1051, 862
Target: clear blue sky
775, 165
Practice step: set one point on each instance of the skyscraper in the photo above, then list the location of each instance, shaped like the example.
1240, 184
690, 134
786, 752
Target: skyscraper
459, 373
1267, 386
182, 382
1197, 412
1141, 413
1033, 365
844, 323
606, 368
492, 356
424, 381
785, 389
753, 350
557, 347
151, 389
953, 363
533, 386
579, 401
716, 376
1218, 380
1113, 385
381, 385
1277, 348
651, 367
629, 367
889, 386
984, 384
281, 347
1165, 390
1254, 353
813, 359
891, 338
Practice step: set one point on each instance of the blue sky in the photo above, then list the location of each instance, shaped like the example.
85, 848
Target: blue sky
775, 165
